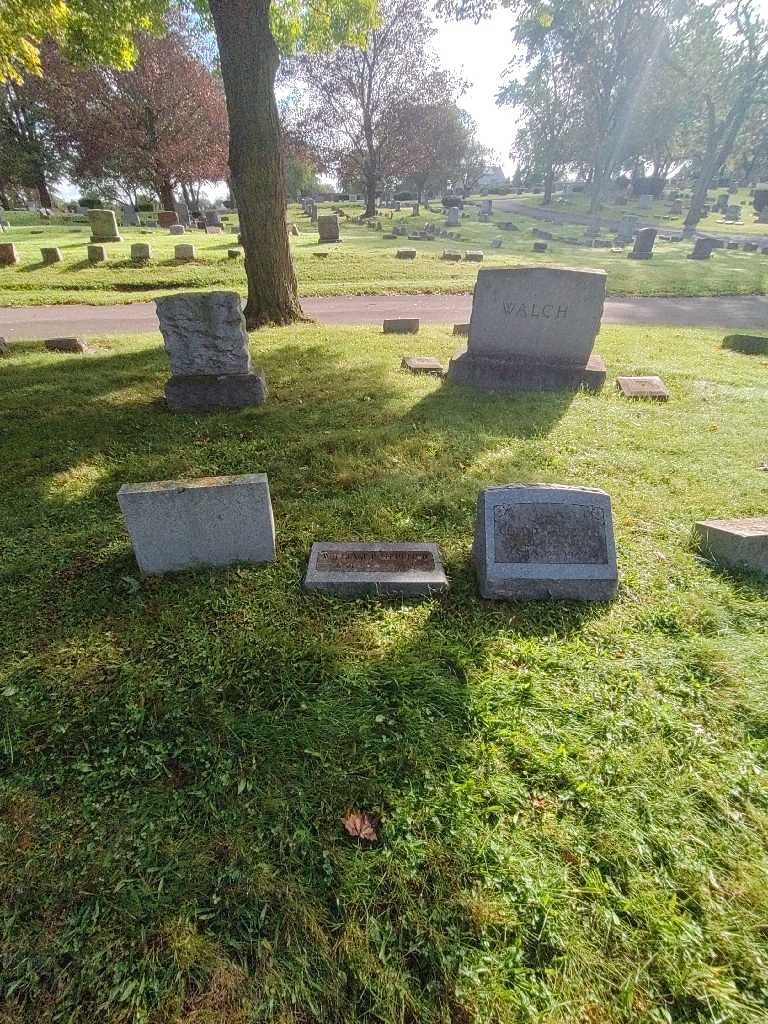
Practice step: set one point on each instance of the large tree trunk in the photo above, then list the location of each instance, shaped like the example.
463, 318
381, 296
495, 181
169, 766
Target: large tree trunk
165, 193
719, 148
370, 195
44, 192
549, 181
249, 62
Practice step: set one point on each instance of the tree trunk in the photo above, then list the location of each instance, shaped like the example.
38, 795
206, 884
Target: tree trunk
370, 195
249, 62
165, 194
186, 195
44, 192
549, 181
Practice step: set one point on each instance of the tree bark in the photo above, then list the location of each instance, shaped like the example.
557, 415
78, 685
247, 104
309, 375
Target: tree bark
165, 193
46, 199
249, 62
719, 147
549, 182
370, 195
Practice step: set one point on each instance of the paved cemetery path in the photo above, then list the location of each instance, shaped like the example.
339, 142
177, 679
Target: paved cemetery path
40, 322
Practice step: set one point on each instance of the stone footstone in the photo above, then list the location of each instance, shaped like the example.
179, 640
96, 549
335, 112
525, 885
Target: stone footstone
141, 252
643, 387
450, 256
97, 254
50, 256
735, 543
474, 256
103, 226
177, 229
66, 345
749, 344
402, 325
185, 524
545, 541
423, 364
377, 569
461, 330
406, 254
8, 255
184, 252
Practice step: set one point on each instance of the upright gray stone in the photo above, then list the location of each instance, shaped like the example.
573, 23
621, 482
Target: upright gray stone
703, 248
453, 220
733, 214
177, 229
355, 569
643, 247
207, 343
533, 329
538, 541
749, 344
50, 255
212, 219
130, 216
184, 253
186, 524
736, 543
141, 252
486, 206
97, 254
401, 325
328, 227
103, 226
644, 201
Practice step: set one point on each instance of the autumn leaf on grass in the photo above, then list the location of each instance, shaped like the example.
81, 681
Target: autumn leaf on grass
361, 825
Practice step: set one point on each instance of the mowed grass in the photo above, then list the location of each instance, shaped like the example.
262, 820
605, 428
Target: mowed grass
363, 263
573, 804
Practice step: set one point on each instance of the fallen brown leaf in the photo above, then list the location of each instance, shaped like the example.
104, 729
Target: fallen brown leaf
361, 825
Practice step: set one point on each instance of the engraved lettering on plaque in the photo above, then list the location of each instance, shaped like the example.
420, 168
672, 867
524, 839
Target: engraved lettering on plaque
549, 533
375, 561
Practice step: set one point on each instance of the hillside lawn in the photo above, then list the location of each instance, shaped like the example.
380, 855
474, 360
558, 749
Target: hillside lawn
364, 263
573, 800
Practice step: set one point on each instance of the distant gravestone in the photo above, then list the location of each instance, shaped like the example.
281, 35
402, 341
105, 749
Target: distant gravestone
177, 229
461, 330
645, 201
141, 252
422, 364
676, 207
539, 541
702, 249
130, 216
643, 247
496, 243
328, 228
643, 387
8, 256
401, 325
406, 254
70, 345
533, 328
212, 219
732, 214
186, 524
749, 344
736, 543
50, 255
182, 213
103, 226
213, 229
453, 220
206, 340
749, 247
184, 253
451, 256
486, 206
355, 569
474, 256
97, 254
540, 247
165, 218
733, 246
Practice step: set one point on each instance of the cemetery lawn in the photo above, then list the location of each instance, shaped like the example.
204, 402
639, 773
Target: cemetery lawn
573, 801
364, 263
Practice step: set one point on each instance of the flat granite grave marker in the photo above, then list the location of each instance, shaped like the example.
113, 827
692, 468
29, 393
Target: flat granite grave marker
103, 226
354, 569
66, 345
213, 521
539, 247
474, 256
643, 387
406, 254
540, 541
206, 340
749, 344
422, 364
532, 329
736, 543
401, 325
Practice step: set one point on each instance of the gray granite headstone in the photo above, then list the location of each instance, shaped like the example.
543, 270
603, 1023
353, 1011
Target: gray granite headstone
736, 543
538, 541
186, 524
453, 219
103, 226
401, 325
206, 340
212, 219
130, 216
328, 228
703, 248
532, 329
643, 247
50, 255
354, 569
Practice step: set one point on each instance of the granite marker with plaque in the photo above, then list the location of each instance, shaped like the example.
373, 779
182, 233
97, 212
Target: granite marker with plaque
355, 569
643, 387
540, 541
532, 329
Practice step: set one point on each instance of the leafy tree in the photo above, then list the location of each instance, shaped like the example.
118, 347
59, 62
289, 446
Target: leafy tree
250, 34
435, 137
29, 158
357, 96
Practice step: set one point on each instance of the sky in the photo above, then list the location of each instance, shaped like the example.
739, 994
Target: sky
479, 54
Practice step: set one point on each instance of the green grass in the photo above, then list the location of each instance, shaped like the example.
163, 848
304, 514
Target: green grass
364, 263
573, 798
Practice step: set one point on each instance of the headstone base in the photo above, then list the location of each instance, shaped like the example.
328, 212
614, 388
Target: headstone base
209, 392
525, 375
100, 240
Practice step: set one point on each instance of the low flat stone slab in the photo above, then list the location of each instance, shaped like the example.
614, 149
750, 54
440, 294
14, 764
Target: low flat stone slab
474, 256
354, 569
751, 344
520, 374
461, 330
450, 256
406, 254
66, 345
212, 392
643, 387
402, 325
185, 524
736, 543
423, 364
542, 541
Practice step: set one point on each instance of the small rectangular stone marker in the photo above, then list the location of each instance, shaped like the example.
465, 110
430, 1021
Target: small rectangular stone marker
50, 256
97, 254
354, 569
454, 217
474, 256
177, 229
406, 254
213, 521
402, 325
539, 246
214, 229
461, 330
141, 252
103, 226
423, 364
539, 541
736, 543
65, 345
328, 228
451, 256
8, 257
643, 387
750, 344
184, 252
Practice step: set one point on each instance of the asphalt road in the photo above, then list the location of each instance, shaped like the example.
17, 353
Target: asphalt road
40, 322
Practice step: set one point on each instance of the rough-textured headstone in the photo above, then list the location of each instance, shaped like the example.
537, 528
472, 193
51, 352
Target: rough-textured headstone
676, 207
355, 569
702, 249
644, 201
406, 254
165, 218
65, 345
453, 219
97, 254
402, 325
643, 387
184, 252
538, 541
8, 255
750, 344
533, 328
486, 206
141, 252
328, 227
474, 255
186, 524
103, 226
177, 229
736, 543
206, 340
643, 247
423, 364
50, 255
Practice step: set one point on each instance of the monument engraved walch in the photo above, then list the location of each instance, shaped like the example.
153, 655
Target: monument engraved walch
532, 329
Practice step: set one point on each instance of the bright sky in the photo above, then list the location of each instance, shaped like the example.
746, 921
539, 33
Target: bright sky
479, 54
